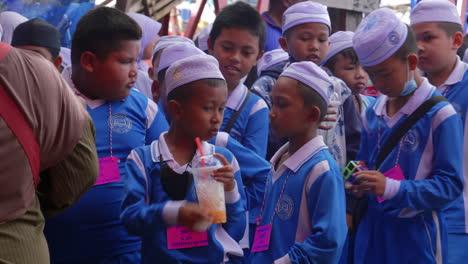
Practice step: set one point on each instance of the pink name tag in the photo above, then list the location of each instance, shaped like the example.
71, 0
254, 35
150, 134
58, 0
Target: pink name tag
395, 173
182, 237
108, 170
262, 238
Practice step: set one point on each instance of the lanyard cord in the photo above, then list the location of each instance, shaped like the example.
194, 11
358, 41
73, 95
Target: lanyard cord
110, 129
264, 199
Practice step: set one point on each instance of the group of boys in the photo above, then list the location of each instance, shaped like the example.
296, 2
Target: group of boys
293, 209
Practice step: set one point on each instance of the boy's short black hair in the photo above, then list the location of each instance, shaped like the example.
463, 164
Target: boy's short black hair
100, 31
184, 93
311, 97
243, 16
450, 28
347, 53
408, 47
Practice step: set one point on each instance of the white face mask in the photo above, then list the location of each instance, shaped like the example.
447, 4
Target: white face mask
410, 84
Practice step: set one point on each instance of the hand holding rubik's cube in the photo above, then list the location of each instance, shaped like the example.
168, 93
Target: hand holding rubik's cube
351, 169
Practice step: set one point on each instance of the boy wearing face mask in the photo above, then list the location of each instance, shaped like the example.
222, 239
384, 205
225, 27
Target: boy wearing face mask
407, 187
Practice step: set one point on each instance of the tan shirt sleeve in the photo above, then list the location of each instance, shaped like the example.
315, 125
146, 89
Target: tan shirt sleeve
63, 184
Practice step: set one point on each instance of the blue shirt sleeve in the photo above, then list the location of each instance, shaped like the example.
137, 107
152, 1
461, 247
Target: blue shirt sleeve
137, 214
235, 212
445, 184
256, 133
326, 206
254, 171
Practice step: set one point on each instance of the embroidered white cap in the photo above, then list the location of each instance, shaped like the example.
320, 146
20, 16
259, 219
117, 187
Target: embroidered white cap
176, 52
311, 75
305, 12
434, 11
192, 69
379, 36
271, 58
165, 41
339, 41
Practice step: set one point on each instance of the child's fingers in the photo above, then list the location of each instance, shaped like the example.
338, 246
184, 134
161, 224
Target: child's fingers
222, 158
323, 127
223, 177
227, 168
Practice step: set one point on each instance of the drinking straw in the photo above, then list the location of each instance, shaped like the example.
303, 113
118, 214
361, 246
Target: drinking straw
200, 149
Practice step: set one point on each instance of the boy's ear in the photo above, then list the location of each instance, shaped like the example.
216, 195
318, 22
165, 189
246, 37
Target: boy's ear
87, 61
210, 46
283, 44
58, 62
150, 73
457, 40
413, 61
312, 114
176, 110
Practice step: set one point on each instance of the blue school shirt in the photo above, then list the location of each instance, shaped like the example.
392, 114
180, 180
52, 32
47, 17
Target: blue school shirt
273, 33
147, 210
309, 222
91, 228
408, 227
254, 171
455, 89
251, 128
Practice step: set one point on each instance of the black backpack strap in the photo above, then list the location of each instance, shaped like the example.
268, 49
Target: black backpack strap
401, 130
236, 114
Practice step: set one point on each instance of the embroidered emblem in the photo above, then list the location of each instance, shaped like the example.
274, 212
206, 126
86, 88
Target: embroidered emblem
285, 207
120, 123
177, 74
370, 23
393, 38
410, 142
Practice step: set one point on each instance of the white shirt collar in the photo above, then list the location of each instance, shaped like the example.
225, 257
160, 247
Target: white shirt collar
455, 77
424, 91
236, 98
301, 156
159, 148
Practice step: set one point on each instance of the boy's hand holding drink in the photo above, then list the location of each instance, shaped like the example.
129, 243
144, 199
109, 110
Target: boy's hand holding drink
225, 174
194, 217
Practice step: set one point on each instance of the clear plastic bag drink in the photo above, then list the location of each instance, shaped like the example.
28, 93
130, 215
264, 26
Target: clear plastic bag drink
210, 193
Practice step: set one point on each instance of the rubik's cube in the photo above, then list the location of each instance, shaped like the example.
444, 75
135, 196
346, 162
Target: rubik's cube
351, 168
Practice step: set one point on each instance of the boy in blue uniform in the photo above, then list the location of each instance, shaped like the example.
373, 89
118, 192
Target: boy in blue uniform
196, 94
304, 205
343, 63
254, 169
438, 31
237, 41
306, 27
407, 188
104, 71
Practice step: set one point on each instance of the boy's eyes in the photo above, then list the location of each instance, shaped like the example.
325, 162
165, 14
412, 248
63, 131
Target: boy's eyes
428, 38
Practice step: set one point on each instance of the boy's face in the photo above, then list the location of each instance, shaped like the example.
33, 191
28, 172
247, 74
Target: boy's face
436, 50
115, 75
352, 74
288, 113
202, 114
390, 76
307, 42
237, 51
